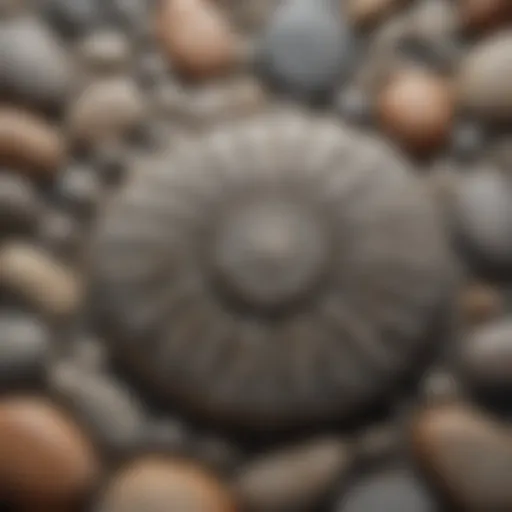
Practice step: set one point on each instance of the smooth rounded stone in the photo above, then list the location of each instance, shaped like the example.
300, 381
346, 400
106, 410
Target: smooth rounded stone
366, 13
45, 458
35, 68
161, 484
106, 51
37, 278
73, 18
196, 38
485, 357
484, 15
434, 20
80, 189
24, 350
417, 109
482, 217
313, 181
484, 77
307, 48
468, 141
466, 455
392, 490
29, 144
112, 416
106, 110
480, 302
293, 479
19, 205
60, 234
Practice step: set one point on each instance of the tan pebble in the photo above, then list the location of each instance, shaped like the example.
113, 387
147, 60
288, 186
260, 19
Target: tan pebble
40, 280
467, 455
483, 15
196, 38
29, 143
106, 110
368, 12
44, 457
293, 479
163, 485
480, 302
417, 109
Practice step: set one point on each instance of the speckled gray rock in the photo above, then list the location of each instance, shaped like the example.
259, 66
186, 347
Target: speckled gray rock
24, 350
293, 479
306, 48
391, 491
485, 77
483, 216
114, 418
105, 51
34, 67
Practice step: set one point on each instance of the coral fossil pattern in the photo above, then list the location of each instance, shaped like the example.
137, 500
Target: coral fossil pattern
281, 271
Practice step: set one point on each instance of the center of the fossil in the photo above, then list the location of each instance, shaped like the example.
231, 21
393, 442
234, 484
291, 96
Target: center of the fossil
270, 253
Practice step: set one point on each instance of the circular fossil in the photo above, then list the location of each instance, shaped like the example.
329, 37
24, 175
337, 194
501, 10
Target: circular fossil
281, 271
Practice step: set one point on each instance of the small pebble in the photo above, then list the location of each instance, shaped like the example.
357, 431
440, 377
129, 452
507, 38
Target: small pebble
45, 459
482, 211
484, 15
19, 204
196, 38
164, 484
106, 110
417, 109
73, 18
41, 281
466, 455
307, 48
390, 491
293, 479
484, 78
480, 302
113, 417
35, 67
29, 144
486, 358
105, 51
24, 350
80, 189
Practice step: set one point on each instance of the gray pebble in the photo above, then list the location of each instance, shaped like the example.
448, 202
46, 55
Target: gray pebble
73, 18
307, 48
392, 491
486, 357
24, 350
113, 416
34, 66
483, 216
295, 478
80, 189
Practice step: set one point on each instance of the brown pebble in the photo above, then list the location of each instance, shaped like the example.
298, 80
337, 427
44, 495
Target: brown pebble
196, 38
368, 12
28, 143
466, 455
163, 485
483, 15
480, 302
44, 457
295, 478
416, 108
37, 278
